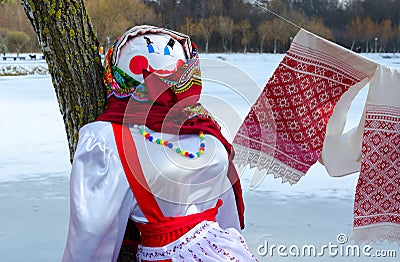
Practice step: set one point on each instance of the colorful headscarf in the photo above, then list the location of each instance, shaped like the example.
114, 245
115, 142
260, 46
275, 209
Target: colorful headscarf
183, 87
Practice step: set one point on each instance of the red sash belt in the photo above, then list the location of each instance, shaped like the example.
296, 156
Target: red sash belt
163, 233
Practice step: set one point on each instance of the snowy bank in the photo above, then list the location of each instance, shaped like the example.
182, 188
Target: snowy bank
24, 64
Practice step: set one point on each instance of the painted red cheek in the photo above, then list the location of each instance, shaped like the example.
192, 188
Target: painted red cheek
137, 64
179, 63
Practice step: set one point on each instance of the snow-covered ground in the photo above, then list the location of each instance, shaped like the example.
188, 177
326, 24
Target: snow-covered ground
34, 166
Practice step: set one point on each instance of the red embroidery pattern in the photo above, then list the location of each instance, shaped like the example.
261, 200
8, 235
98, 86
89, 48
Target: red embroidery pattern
377, 198
199, 245
285, 128
178, 246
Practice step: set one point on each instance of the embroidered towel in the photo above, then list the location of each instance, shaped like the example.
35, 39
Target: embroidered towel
283, 133
377, 198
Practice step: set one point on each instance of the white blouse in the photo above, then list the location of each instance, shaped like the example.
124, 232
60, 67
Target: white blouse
101, 200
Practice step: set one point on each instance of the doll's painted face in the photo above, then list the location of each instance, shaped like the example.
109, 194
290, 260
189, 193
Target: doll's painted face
157, 53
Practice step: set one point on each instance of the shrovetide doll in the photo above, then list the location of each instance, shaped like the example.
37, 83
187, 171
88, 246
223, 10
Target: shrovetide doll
157, 157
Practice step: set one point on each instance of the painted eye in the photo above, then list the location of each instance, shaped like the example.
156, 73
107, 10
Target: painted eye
166, 50
169, 45
150, 48
149, 43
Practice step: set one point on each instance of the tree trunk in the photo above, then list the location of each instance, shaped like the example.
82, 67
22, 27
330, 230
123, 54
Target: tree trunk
70, 45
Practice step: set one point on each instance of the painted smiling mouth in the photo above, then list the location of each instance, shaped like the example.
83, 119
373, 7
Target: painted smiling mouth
138, 64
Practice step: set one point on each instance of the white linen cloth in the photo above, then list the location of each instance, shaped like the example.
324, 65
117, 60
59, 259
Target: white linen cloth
101, 200
341, 153
227, 245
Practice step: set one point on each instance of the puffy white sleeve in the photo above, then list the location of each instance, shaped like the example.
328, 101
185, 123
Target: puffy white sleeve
100, 202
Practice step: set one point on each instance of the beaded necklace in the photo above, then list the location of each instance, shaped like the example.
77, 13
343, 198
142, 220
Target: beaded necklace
170, 145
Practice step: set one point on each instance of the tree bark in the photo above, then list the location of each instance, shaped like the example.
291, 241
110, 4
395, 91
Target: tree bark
70, 45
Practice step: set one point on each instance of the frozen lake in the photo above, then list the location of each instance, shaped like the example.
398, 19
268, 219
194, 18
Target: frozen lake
34, 165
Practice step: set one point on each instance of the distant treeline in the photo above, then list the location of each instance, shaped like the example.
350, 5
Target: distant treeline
230, 25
